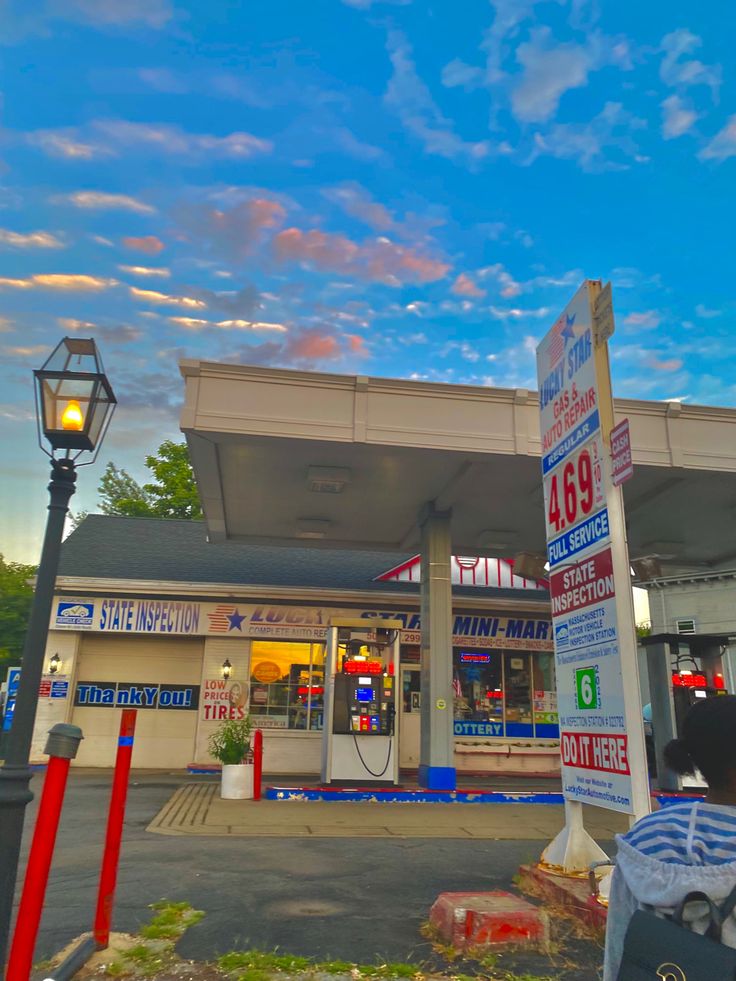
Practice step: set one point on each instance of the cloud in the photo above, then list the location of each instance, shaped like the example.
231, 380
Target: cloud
378, 260
551, 70
548, 72
115, 137
165, 138
357, 202
456, 74
412, 101
723, 144
72, 324
191, 323
64, 143
586, 142
109, 15
367, 4
256, 325
165, 80
30, 240
666, 364
509, 286
146, 271
312, 345
234, 232
648, 320
102, 201
677, 118
61, 281
683, 73
149, 244
705, 312
114, 13
516, 313
237, 304
30, 351
465, 286
165, 299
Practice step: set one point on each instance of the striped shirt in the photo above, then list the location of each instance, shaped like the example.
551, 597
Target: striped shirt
691, 833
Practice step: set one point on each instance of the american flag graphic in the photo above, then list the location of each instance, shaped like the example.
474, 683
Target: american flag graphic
219, 621
556, 342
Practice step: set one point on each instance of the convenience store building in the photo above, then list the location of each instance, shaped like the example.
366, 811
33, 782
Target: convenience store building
149, 614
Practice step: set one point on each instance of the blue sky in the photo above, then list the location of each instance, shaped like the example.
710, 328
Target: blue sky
411, 189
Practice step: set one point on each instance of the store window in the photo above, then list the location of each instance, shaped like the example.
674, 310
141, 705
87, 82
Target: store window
504, 694
478, 693
287, 684
546, 720
518, 691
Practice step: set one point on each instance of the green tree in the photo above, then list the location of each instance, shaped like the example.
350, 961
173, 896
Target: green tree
122, 494
174, 492
15, 606
171, 494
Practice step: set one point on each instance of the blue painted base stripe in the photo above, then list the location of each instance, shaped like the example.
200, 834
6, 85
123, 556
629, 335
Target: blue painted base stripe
411, 796
125, 740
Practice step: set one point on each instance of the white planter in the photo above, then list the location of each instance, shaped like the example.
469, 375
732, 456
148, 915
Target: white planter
237, 781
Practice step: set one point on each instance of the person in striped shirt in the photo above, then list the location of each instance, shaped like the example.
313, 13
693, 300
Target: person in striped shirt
685, 847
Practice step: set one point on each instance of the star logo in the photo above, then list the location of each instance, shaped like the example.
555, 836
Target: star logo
236, 621
567, 331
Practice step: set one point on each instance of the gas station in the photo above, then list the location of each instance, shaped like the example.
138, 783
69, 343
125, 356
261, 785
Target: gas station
291, 458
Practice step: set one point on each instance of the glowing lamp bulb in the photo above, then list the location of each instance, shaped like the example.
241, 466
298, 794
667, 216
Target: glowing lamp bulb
72, 418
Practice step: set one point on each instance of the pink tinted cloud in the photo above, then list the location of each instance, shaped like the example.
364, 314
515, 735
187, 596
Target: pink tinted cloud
312, 345
356, 343
465, 286
665, 364
379, 260
237, 230
149, 244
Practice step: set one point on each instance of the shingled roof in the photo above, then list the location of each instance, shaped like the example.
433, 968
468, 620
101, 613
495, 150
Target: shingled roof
168, 550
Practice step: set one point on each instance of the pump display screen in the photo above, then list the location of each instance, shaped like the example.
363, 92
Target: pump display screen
363, 694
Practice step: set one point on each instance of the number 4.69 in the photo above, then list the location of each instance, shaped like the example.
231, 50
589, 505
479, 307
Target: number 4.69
575, 489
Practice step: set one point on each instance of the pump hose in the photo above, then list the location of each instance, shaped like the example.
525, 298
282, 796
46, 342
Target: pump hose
365, 765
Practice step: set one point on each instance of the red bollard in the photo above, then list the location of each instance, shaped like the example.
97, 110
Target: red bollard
114, 834
61, 747
257, 763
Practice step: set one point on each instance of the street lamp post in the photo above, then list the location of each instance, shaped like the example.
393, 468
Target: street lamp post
74, 404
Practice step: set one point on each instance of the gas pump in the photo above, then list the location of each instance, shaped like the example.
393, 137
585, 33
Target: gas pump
361, 677
693, 682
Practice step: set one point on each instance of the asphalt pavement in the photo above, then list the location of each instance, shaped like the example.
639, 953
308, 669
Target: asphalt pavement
347, 898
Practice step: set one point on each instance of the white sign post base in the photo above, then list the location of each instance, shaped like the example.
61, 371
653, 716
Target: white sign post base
573, 850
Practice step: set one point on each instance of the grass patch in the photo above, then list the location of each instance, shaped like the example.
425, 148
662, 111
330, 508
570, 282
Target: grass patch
171, 921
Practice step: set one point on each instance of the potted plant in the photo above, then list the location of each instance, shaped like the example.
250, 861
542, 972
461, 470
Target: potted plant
230, 745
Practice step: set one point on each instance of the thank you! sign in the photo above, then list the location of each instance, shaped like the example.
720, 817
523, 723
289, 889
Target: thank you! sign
582, 530
126, 694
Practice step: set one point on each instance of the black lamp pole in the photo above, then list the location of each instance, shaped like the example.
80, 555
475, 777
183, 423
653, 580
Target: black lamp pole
15, 775
74, 405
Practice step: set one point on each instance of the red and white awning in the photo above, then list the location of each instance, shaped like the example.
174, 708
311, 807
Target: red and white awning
468, 571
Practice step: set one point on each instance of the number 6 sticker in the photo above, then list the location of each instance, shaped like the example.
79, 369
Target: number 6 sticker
587, 688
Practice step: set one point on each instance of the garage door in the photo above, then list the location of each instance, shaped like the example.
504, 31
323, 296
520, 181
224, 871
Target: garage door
164, 737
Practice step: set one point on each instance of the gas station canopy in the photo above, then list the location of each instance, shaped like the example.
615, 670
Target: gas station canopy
285, 456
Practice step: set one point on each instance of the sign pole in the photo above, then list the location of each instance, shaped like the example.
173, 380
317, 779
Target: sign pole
601, 728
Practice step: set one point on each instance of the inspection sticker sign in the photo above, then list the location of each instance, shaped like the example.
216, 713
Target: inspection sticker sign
590, 691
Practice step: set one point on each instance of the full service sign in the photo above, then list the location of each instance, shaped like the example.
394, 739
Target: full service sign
590, 691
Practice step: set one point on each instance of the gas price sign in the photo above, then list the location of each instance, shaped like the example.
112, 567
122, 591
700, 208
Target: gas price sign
574, 490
